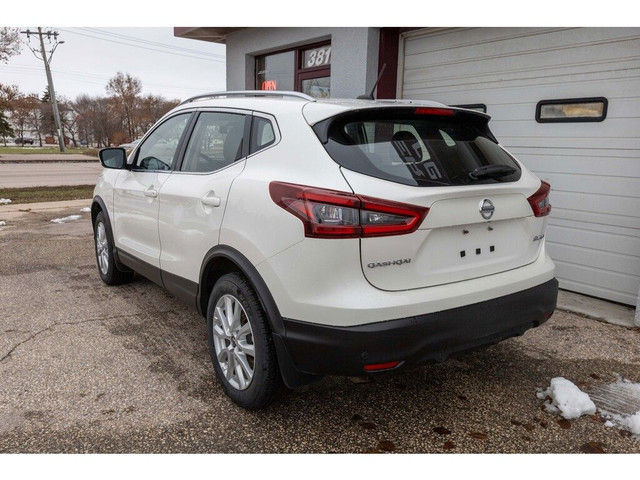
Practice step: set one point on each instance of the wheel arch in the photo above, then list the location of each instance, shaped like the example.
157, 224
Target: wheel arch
98, 206
223, 259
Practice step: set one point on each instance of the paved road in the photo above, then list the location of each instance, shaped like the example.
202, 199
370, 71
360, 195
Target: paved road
90, 368
16, 175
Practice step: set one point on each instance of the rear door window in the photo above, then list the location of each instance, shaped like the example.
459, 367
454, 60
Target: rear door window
215, 143
416, 149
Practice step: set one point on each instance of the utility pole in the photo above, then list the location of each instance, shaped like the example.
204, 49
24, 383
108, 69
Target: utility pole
47, 67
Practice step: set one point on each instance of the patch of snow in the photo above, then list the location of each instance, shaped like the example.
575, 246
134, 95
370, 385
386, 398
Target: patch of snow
4, 201
571, 402
66, 219
626, 422
2, 223
550, 407
633, 423
86, 209
569, 399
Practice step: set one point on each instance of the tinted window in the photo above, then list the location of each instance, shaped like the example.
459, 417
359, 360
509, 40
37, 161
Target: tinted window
418, 150
262, 134
216, 142
158, 150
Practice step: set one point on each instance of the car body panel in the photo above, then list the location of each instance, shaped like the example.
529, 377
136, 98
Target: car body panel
189, 228
135, 214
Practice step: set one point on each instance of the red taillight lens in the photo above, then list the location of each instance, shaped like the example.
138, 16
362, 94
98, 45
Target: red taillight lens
445, 112
539, 201
334, 214
376, 367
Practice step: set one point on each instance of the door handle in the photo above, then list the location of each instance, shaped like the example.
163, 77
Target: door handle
210, 200
151, 193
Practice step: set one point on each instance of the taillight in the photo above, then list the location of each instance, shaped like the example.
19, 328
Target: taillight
334, 214
539, 201
445, 112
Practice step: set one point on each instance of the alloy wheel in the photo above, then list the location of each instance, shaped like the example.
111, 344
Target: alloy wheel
233, 342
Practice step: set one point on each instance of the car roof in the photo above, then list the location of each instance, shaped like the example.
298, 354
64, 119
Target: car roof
282, 102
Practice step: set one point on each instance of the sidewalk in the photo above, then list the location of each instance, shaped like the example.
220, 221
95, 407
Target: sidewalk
597, 309
45, 157
11, 211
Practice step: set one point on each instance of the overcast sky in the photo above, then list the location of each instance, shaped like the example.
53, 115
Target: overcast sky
89, 57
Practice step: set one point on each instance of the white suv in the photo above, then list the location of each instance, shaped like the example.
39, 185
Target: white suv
340, 237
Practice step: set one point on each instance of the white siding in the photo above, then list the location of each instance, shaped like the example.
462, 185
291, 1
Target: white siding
594, 168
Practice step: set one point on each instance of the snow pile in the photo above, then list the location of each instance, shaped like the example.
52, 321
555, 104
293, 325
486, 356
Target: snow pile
66, 219
86, 209
568, 399
571, 402
4, 201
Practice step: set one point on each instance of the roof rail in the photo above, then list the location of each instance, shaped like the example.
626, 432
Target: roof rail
251, 93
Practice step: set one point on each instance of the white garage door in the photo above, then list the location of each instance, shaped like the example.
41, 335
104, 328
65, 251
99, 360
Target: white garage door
594, 167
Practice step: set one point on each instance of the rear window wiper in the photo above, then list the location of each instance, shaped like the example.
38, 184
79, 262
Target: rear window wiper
492, 171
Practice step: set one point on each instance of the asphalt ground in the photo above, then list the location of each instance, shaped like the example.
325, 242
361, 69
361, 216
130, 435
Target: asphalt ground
90, 368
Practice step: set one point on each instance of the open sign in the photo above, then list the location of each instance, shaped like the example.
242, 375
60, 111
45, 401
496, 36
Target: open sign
269, 85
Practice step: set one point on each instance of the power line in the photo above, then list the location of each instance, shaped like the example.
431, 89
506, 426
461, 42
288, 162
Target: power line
145, 48
149, 42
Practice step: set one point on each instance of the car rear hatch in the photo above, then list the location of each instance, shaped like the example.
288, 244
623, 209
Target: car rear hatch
477, 199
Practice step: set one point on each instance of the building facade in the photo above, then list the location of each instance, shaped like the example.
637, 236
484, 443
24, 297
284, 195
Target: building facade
565, 101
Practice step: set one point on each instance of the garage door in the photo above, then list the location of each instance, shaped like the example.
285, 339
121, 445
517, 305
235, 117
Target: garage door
593, 167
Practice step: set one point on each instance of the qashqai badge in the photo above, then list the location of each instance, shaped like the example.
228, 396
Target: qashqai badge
487, 209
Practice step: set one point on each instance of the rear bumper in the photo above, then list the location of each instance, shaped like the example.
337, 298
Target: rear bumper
323, 349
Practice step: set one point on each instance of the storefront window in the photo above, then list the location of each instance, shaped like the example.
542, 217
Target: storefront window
276, 72
317, 87
306, 69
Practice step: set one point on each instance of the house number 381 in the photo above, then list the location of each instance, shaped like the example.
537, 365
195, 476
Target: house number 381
318, 57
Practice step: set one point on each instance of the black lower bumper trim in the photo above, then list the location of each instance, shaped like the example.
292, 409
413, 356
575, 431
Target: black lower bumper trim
322, 349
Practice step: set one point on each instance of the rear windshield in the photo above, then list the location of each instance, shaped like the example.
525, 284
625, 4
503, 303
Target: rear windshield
417, 149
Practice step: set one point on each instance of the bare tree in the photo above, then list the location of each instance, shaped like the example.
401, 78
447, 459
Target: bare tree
9, 43
150, 109
8, 93
125, 90
69, 118
97, 119
22, 113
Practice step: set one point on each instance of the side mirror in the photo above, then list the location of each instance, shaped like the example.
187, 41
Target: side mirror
113, 157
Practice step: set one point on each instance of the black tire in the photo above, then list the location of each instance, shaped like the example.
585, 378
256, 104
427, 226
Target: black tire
265, 381
103, 246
